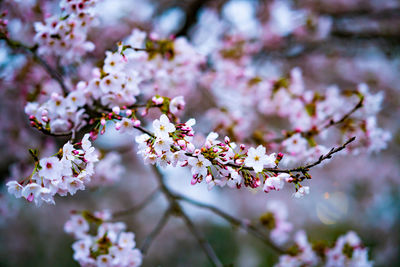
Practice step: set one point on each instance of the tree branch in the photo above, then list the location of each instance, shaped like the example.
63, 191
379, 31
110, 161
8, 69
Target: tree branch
347, 115
176, 208
33, 51
160, 225
208, 250
234, 221
139, 206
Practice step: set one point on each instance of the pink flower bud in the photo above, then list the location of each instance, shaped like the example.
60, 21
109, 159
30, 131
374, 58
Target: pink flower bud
136, 123
197, 152
30, 197
128, 112
207, 144
118, 126
157, 100
227, 140
81, 85
55, 96
182, 143
194, 180
103, 121
190, 147
93, 135
208, 178
185, 163
242, 147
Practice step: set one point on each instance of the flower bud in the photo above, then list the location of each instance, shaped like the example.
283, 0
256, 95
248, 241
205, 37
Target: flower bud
209, 178
116, 110
136, 123
190, 147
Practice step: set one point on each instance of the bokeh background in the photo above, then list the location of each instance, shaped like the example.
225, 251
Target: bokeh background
343, 42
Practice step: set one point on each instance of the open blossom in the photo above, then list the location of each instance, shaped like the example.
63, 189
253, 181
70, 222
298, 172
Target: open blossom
163, 127
125, 125
163, 144
77, 225
277, 222
257, 159
199, 165
14, 188
51, 168
296, 144
177, 104
304, 190
305, 256
66, 36
348, 251
275, 182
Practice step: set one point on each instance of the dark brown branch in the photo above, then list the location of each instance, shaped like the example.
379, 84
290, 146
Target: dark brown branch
347, 115
177, 210
160, 225
33, 51
324, 157
139, 206
234, 221
330, 123
303, 168
206, 247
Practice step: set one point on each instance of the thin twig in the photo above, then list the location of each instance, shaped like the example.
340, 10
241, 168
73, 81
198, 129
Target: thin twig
139, 206
160, 225
330, 123
345, 116
302, 168
324, 157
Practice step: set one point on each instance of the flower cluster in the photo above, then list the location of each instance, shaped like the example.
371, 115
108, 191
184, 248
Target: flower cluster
219, 163
275, 220
66, 172
310, 115
169, 67
55, 113
109, 246
65, 36
301, 254
347, 251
